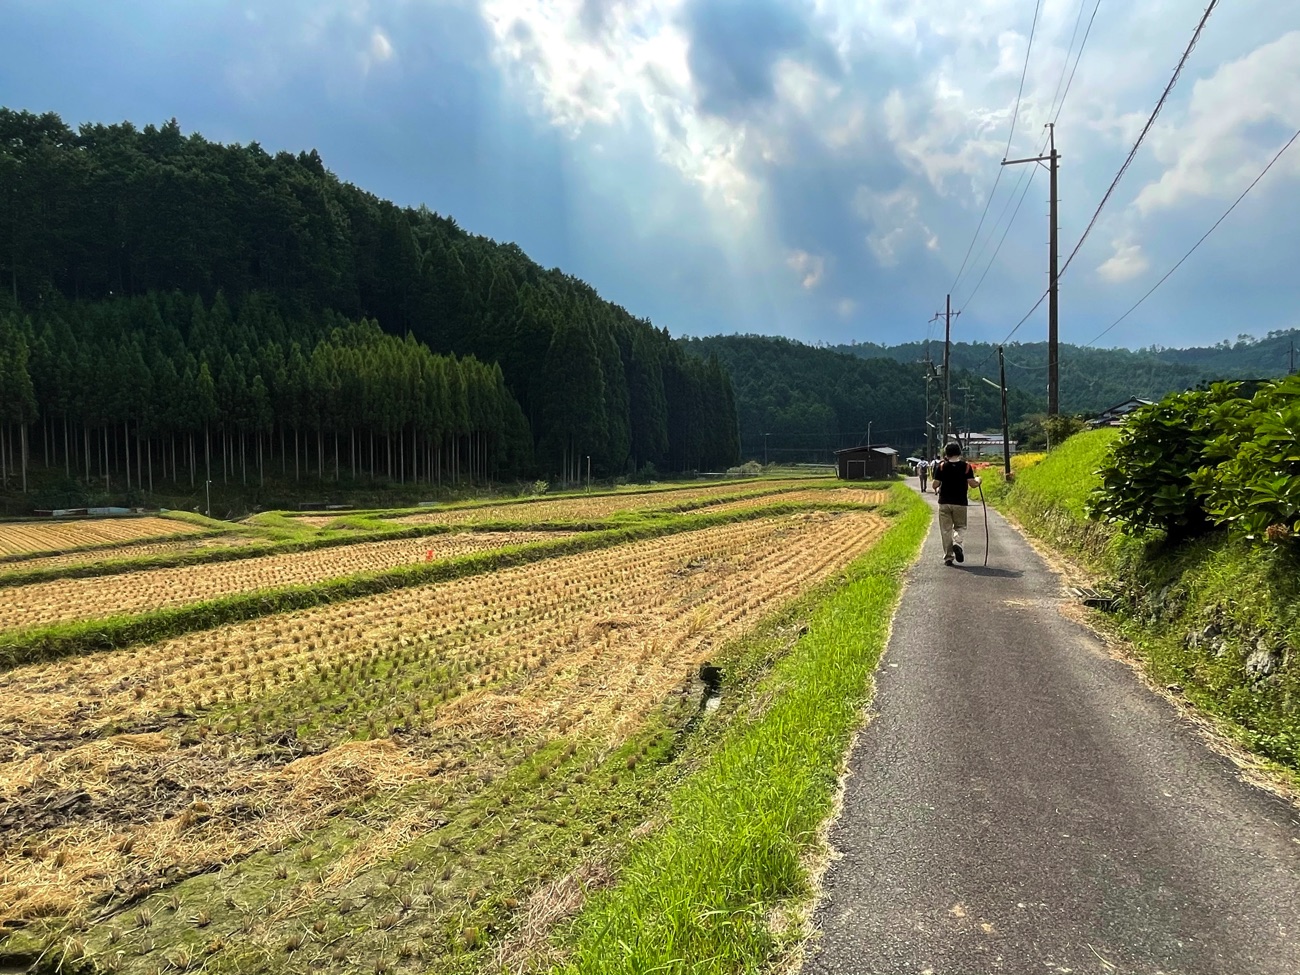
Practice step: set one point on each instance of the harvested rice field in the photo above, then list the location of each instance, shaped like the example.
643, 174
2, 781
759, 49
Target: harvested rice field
118, 553
22, 538
813, 496
67, 600
426, 780
578, 508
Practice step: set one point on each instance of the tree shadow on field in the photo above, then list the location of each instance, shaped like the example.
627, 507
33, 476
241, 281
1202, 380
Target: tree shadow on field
993, 571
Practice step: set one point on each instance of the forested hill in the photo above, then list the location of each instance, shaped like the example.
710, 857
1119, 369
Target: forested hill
115, 238
808, 400
1093, 379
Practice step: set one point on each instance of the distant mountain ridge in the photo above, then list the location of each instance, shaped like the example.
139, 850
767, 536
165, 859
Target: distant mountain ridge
1093, 379
798, 402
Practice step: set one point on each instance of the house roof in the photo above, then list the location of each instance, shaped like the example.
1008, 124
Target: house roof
861, 448
1132, 403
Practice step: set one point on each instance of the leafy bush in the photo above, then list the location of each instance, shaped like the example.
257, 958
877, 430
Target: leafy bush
1147, 481
1251, 480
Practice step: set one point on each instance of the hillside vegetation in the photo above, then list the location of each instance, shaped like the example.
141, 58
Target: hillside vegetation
807, 399
1094, 379
1217, 615
157, 284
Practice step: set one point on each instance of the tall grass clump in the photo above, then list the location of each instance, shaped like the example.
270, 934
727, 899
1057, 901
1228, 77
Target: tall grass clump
697, 896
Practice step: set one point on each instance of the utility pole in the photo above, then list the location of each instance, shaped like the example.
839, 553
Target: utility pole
965, 402
1053, 311
928, 452
1001, 385
947, 315
1006, 428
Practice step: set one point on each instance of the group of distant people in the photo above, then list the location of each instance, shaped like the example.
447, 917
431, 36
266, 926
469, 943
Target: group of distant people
950, 477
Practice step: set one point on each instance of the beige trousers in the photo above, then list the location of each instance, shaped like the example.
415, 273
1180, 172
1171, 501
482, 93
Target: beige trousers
952, 522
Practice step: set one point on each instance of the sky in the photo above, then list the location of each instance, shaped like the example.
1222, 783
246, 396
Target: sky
806, 168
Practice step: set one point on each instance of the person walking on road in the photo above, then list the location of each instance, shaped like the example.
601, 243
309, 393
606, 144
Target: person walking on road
922, 471
953, 479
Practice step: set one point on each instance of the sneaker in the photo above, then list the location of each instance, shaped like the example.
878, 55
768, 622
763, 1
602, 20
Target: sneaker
947, 561
961, 556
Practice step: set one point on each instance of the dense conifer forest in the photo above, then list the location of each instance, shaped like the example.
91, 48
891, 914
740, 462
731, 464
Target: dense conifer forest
175, 306
173, 310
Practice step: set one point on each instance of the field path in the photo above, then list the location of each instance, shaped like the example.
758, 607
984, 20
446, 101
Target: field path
1020, 802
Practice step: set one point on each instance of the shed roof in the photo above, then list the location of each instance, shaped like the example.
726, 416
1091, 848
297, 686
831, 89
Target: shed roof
864, 449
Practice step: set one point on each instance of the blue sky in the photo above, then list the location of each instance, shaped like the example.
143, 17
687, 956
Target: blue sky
813, 169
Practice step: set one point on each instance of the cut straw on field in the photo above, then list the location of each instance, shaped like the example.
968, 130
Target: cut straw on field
585, 645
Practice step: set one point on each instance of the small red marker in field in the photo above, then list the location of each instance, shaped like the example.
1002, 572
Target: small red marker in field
428, 556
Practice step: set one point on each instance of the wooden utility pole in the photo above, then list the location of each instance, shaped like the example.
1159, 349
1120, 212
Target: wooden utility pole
1053, 311
947, 315
1006, 428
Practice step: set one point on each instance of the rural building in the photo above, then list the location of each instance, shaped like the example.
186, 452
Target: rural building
866, 463
1114, 416
978, 445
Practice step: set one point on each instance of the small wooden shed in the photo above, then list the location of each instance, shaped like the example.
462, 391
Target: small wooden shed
866, 463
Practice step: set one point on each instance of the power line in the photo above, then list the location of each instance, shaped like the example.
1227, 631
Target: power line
970, 297
1077, 58
1057, 114
1201, 241
1023, 72
1033, 27
1013, 330
1142, 135
1068, 51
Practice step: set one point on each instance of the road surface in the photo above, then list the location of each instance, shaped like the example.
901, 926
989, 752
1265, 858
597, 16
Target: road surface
1020, 802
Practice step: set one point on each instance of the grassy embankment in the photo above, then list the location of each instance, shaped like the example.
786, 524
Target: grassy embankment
1210, 615
705, 893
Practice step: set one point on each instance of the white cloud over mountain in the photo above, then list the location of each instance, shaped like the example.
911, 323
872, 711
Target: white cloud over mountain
809, 167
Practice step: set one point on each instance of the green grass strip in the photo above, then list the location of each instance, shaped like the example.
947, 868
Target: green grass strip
86, 636
697, 896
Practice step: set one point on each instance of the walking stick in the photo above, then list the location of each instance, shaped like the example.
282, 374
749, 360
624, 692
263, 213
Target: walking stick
986, 527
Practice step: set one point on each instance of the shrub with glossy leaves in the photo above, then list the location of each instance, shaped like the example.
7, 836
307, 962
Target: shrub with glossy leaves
1148, 480
1251, 477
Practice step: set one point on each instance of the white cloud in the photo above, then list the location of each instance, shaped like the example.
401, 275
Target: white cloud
895, 223
633, 69
904, 122
809, 267
1126, 263
1235, 121
381, 48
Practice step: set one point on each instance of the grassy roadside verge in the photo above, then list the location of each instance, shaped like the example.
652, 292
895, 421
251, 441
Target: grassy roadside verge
47, 643
1218, 617
699, 895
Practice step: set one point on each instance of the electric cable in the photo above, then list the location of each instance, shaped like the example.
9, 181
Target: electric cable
1068, 51
1244, 193
1007, 229
1033, 28
1141, 136
1077, 58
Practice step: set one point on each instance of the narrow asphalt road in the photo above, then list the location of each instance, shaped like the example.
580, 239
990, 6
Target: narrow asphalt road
1020, 803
